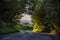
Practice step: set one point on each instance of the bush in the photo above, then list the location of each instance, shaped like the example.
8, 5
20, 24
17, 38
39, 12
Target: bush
6, 28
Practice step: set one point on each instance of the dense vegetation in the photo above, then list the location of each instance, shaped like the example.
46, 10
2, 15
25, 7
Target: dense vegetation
10, 10
45, 15
26, 26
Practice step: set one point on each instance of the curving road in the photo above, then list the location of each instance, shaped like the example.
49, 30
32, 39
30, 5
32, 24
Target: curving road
27, 36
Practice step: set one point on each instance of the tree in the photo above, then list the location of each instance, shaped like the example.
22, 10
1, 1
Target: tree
45, 14
10, 10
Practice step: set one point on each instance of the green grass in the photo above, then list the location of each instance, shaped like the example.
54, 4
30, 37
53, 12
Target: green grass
7, 30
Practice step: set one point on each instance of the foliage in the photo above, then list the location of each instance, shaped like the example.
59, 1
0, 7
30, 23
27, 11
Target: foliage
6, 27
45, 12
26, 26
45, 15
10, 11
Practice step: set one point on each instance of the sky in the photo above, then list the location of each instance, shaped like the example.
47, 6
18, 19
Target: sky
26, 17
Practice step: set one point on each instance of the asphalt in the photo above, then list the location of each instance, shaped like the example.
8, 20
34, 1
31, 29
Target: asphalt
28, 36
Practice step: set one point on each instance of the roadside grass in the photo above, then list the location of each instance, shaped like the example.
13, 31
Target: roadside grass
6, 28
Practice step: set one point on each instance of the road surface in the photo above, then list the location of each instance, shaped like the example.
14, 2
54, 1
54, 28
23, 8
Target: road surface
27, 36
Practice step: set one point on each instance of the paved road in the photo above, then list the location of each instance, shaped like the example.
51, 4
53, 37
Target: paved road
27, 36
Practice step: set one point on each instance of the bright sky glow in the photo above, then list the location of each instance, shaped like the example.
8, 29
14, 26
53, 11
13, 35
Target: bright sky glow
26, 17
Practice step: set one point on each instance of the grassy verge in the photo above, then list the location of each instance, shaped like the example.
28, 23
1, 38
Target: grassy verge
6, 28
